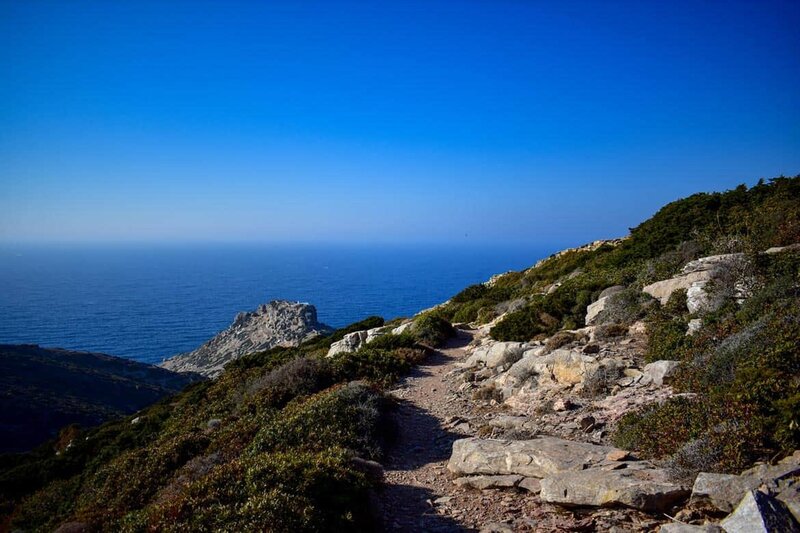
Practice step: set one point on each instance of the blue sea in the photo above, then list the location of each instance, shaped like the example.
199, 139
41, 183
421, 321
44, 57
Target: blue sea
149, 302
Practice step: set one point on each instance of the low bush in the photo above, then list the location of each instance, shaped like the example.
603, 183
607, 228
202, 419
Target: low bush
562, 338
298, 377
609, 331
392, 341
346, 417
374, 364
625, 307
432, 330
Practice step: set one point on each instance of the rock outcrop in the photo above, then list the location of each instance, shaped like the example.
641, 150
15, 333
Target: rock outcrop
725, 491
694, 277
278, 323
355, 340
594, 309
572, 474
759, 512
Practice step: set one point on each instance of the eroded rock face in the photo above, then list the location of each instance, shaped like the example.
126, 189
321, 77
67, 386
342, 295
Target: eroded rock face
637, 485
725, 491
278, 323
659, 372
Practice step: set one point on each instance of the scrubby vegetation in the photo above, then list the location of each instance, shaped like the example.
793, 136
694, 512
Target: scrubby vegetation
554, 295
741, 370
743, 365
269, 445
275, 442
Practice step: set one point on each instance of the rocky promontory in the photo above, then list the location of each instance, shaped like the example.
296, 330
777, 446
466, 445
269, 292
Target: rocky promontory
278, 323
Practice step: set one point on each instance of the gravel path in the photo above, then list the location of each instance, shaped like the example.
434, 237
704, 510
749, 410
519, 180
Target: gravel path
419, 494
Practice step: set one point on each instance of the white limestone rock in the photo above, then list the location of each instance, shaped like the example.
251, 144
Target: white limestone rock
278, 323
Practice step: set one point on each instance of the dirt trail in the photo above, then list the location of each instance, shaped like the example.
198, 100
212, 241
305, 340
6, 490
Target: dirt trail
419, 494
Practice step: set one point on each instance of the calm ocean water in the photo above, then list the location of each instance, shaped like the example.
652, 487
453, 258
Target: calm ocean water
149, 302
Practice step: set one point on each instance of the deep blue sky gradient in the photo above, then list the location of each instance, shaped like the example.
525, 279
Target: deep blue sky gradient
543, 122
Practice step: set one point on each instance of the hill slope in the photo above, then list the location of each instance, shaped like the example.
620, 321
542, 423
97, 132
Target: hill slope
44, 390
286, 439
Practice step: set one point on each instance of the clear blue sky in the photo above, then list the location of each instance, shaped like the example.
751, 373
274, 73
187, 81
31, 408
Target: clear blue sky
545, 122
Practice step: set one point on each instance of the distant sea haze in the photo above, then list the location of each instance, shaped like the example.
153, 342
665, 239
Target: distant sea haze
149, 302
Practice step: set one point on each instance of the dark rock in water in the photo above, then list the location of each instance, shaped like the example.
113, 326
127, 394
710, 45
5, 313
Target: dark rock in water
278, 323
43, 390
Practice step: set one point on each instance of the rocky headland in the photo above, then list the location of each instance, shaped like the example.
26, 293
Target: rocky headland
277, 323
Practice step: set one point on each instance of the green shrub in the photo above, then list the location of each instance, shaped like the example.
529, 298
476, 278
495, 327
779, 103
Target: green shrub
743, 367
346, 417
298, 377
609, 331
562, 338
284, 492
374, 364
432, 330
391, 341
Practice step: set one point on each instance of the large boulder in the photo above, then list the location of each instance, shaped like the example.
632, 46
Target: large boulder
531, 458
759, 512
496, 354
693, 278
638, 485
353, 341
659, 372
595, 308
723, 491
278, 323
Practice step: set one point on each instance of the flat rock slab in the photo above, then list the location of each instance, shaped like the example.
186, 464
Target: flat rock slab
639, 486
530, 458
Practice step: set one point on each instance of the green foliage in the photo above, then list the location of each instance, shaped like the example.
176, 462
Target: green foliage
282, 492
377, 365
391, 341
666, 328
345, 417
431, 329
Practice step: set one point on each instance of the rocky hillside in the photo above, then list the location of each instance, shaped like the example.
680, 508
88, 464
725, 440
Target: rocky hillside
641, 384
42, 390
278, 323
